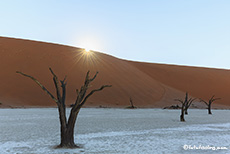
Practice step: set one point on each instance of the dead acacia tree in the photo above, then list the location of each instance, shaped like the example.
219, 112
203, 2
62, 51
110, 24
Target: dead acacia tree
67, 126
209, 103
131, 104
185, 104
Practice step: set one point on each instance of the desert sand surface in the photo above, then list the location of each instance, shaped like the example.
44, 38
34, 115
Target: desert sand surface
148, 84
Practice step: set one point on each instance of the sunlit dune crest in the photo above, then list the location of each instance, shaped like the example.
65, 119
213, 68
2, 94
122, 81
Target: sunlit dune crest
86, 57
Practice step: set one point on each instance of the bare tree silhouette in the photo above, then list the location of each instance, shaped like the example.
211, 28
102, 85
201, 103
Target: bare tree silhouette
209, 103
67, 126
131, 104
185, 104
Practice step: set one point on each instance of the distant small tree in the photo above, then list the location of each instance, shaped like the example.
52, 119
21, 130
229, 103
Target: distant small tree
131, 104
188, 104
67, 126
185, 104
209, 103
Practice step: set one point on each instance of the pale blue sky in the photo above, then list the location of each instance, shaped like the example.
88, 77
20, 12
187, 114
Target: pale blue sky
183, 32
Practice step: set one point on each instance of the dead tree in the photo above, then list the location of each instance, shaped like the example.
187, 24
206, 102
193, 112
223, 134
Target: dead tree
67, 126
131, 104
185, 104
209, 103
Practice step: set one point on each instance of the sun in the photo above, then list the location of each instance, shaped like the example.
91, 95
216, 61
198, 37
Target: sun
89, 43
87, 50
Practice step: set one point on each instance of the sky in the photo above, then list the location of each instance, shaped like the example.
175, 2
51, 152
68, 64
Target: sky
181, 32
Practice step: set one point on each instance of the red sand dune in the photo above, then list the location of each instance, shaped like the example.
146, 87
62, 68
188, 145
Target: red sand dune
149, 84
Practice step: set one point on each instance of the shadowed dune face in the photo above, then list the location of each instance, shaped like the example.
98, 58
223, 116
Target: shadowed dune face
149, 85
199, 82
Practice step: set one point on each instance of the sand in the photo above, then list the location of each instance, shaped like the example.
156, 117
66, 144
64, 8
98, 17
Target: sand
148, 84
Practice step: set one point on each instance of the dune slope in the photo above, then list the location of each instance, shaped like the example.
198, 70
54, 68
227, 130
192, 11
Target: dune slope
148, 84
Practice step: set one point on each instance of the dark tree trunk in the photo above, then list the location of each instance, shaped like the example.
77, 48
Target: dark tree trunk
182, 114
209, 109
67, 133
67, 138
131, 104
184, 104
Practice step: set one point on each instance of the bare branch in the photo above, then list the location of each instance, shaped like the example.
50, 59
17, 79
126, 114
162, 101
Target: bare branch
77, 92
216, 99
186, 96
201, 100
87, 77
212, 97
90, 80
64, 79
190, 101
182, 102
84, 88
57, 86
81, 94
93, 91
35, 80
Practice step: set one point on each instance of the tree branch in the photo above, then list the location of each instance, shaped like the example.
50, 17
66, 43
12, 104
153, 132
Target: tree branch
63, 85
35, 80
93, 91
212, 97
190, 101
182, 102
90, 80
216, 99
84, 88
87, 77
201, 100
57, 86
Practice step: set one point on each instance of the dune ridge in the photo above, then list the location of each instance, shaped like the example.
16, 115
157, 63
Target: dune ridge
148, 84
